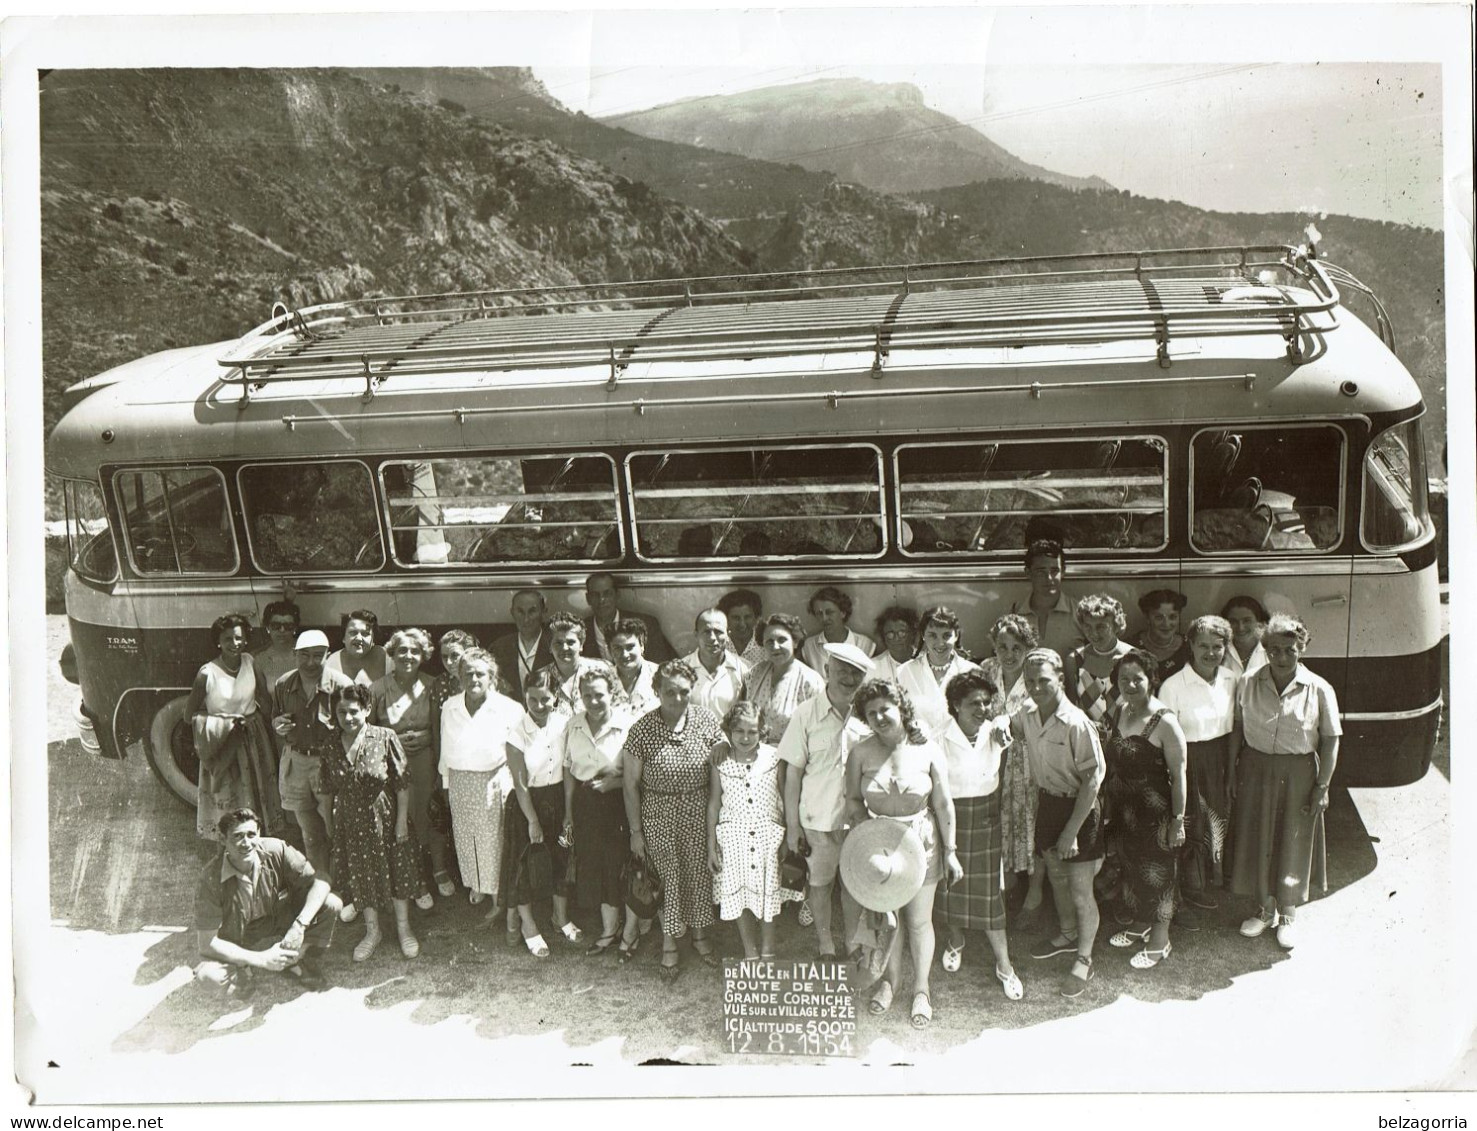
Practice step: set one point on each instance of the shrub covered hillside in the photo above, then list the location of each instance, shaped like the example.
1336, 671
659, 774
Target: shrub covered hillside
1403, 264
178, 205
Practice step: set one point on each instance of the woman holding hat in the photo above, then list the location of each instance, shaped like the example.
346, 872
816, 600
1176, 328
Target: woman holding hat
897, 774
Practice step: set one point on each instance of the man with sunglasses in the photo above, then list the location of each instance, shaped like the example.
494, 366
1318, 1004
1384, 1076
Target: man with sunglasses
283, 621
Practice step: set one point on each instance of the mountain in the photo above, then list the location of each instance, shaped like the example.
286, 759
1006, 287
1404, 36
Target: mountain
721, 185
179, 205
877, 134
1404, 265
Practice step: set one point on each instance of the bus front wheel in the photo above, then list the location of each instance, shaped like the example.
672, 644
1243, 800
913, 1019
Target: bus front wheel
171, 751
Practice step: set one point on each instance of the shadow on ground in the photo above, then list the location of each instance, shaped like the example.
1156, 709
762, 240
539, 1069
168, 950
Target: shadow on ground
125, 860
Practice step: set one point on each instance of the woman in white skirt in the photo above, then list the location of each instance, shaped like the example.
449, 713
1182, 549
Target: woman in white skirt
475, 726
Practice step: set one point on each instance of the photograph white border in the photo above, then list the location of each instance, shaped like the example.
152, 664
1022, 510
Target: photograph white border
608, 38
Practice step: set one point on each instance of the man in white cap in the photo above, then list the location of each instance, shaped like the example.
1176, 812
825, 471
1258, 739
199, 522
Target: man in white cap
814, 747
303, 722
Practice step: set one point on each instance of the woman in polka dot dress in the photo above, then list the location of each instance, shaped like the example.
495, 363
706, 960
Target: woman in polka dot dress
667, 772
746, 829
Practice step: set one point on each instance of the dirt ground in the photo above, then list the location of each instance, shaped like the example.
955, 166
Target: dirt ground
105, 992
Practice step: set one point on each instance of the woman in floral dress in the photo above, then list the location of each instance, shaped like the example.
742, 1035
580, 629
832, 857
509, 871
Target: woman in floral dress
1012, 637
1146, 780
372, 849
781, 681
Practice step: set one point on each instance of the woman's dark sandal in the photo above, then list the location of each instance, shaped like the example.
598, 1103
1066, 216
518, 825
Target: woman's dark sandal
881, 999
627, 951
922, 1012
706, 954
1075, 983
671, 965
1050, 948
601, 945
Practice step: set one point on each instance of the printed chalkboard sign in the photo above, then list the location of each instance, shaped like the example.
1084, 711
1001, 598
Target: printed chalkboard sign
784, 1008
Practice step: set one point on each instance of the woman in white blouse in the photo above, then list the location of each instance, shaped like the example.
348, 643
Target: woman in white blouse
974, 746
832, 608
535, 812
897, 640
1248, 620
926, 675
474, 769
1202, 696
594, 805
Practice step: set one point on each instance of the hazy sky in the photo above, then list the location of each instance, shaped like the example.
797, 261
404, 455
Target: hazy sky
1357, 138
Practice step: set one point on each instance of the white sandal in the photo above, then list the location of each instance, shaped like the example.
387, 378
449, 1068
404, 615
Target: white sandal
536, 945
953, 958
1147, 959
1011, 983
1129, 938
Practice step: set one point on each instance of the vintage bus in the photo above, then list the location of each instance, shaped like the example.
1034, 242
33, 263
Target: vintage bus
1214, 421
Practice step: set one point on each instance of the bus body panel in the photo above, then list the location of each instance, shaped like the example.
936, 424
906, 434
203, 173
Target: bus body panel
168, 637
1373, 615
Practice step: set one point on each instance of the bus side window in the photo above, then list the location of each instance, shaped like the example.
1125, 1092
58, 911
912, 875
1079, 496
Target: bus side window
795, 502
503, 510
977, 498
1396, 510
89, 543
177, 520
1267, 489
307, 517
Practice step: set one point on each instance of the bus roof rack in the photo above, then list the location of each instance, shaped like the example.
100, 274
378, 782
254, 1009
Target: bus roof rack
1046, 300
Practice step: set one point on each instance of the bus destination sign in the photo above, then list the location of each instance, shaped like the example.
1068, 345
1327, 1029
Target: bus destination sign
788, 1008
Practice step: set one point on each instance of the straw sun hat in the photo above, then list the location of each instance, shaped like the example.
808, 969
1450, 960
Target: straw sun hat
882, 864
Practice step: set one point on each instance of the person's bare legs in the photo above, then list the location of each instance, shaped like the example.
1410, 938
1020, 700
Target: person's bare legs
1035, 890
918, 919
820, 907
748, 930
1084, 904
1061, 895
766, 938
1002, 951
315, 838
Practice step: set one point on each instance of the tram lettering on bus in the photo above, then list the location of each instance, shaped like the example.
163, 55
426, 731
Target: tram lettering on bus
1214, 421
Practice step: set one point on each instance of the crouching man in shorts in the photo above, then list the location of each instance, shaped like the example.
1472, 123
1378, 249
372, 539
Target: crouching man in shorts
259, 906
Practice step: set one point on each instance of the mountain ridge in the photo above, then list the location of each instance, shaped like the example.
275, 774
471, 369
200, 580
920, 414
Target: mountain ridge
883, 136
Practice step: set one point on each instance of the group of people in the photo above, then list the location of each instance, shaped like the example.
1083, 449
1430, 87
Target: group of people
575, 761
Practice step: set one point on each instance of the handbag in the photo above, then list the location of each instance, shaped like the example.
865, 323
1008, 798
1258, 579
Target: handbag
794, 872
643, 887
538, 870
